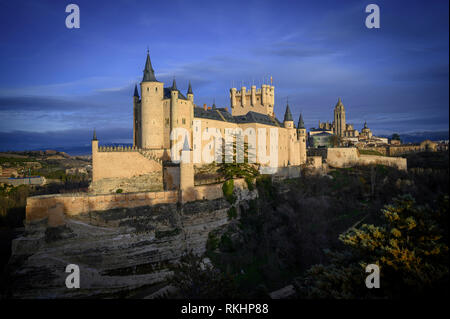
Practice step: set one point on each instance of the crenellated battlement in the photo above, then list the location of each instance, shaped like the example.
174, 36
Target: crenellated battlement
119, 148
147, 153
261, 100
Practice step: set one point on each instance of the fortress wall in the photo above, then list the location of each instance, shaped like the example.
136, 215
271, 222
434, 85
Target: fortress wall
122, 165
347, 157
314, 162
398, 162
55, 207
380, 149
210, 192
41, 207
342, 157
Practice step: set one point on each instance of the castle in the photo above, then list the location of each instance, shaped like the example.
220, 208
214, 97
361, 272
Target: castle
171, 134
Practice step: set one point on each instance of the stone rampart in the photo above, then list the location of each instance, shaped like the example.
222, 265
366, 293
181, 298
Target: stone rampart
41, 207
348, 157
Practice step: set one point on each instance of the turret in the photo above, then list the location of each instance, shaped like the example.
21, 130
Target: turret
233, 97
190, 94
253, 98
149, 73
136, 116
94, 156
301, 131
243, 96
186, 173
264, 101
301, 137
288, 121
173, 107
150, 113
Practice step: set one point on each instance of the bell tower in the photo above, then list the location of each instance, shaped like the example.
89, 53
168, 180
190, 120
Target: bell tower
339, 118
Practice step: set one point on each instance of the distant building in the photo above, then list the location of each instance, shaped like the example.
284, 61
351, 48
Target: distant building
366, 133
9, 172
321, 140
32, 180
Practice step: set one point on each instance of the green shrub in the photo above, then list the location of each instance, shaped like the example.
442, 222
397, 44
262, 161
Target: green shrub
228, 188
226, 244
212, 243
232, 213
119, 190
250, 184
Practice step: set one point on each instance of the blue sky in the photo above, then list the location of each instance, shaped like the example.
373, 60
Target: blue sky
57, 84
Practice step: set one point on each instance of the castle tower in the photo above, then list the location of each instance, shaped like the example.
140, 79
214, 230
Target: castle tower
173, 107
301, 137
339, 118
255, 100
186, 172
288, 121
151, 114
94, 156
253, 97
233, 98
244, 97
189, 94
136, 117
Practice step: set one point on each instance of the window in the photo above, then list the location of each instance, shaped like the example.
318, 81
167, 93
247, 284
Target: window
183, 121
147, 89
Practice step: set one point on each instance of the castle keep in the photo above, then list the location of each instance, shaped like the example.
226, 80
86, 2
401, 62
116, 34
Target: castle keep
168, 127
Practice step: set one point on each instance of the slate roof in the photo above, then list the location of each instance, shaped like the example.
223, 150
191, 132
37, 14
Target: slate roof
287, 114
300, 124
149, 73
221, 114
167, 94
322, 134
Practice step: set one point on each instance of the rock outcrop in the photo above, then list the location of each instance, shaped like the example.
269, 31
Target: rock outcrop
123, 252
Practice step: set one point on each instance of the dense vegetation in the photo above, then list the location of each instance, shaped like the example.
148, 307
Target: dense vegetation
318, 231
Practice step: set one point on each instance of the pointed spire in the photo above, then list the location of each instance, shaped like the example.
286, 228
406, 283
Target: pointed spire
94, 138
189, 88
186, 144
287, 114
214, 104
149, 73
365, 124
300, 124
174, 85
136, 93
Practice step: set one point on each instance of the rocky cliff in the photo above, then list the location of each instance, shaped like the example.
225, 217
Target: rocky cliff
123, 252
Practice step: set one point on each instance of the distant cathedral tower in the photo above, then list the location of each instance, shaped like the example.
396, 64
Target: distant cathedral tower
339, 119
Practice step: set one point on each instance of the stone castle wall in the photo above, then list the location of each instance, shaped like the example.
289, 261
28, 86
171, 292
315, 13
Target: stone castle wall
124, 164
56, 207
347, 157
40, 207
